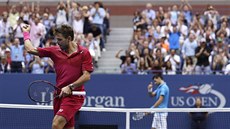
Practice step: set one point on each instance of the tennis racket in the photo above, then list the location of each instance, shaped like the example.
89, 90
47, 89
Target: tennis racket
138, 115
44, 92
141, 115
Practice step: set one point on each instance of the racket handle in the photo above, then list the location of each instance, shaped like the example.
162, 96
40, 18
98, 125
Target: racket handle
83, 93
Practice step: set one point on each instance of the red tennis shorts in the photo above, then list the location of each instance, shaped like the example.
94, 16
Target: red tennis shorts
68, 107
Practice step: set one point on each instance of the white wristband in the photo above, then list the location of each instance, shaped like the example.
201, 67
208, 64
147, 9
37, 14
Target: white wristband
150, 90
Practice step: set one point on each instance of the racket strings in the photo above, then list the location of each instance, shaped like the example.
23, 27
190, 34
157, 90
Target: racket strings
41, 91
138, 115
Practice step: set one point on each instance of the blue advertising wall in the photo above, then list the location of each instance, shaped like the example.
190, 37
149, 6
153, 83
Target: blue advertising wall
125, 91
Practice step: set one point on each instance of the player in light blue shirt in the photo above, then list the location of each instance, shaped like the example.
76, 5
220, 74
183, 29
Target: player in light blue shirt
162, 96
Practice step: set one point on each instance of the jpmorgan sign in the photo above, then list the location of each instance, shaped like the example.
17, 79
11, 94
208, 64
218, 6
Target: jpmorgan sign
94, 101
104, 101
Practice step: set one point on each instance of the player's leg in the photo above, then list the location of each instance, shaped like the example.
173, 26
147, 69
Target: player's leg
160, 121
163, 120
70, 109
154, 123
58, 122
58, 119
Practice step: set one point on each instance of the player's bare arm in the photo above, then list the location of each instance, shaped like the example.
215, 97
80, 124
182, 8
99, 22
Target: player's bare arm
27, 43
159, 101
67, 90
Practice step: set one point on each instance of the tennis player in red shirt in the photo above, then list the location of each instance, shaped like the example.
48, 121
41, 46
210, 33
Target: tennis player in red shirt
73, 65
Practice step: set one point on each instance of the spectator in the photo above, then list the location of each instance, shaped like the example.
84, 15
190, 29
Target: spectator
182, 26
168, 70
138, 21
220, 56
196, 28
18, 31
202, 55
37, 66
98, 14
141, 67
123, 57
128, 67
38, 32
198, 119
174, 14
97, 34
48, 67
174, 38
8, 59
46, 21
213, 15
157, 33
138, 36
149, 13
210, 25
156, 67
51, 17
158, 55
61, 16
72, 9
4, 31
78, 23
4, 65
221, 49
210, 38
107, 21
189, 47
218, 64
134, 52
17, 57
87, 19
163, 51
13, 16
25, 13
147, 57
188, 68
186, 9
174, 60
94, 48
3, 49
224, 29
160, 15
165, 45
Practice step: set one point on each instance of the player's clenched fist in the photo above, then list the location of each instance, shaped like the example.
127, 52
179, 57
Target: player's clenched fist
150, 87
25, 28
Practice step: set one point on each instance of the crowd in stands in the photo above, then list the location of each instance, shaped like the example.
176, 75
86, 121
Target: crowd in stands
90, 23
178, 40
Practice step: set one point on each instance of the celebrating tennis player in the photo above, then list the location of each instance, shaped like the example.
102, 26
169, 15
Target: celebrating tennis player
162, 96
73, 65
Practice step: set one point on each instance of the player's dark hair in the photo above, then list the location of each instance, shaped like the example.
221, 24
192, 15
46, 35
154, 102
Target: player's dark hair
158, 76
65, 31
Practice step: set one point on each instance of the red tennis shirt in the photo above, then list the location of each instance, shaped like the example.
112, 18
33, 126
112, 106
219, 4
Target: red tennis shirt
68, 68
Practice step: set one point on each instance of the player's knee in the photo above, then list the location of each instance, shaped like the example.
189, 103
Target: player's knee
55, 125
58, 123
